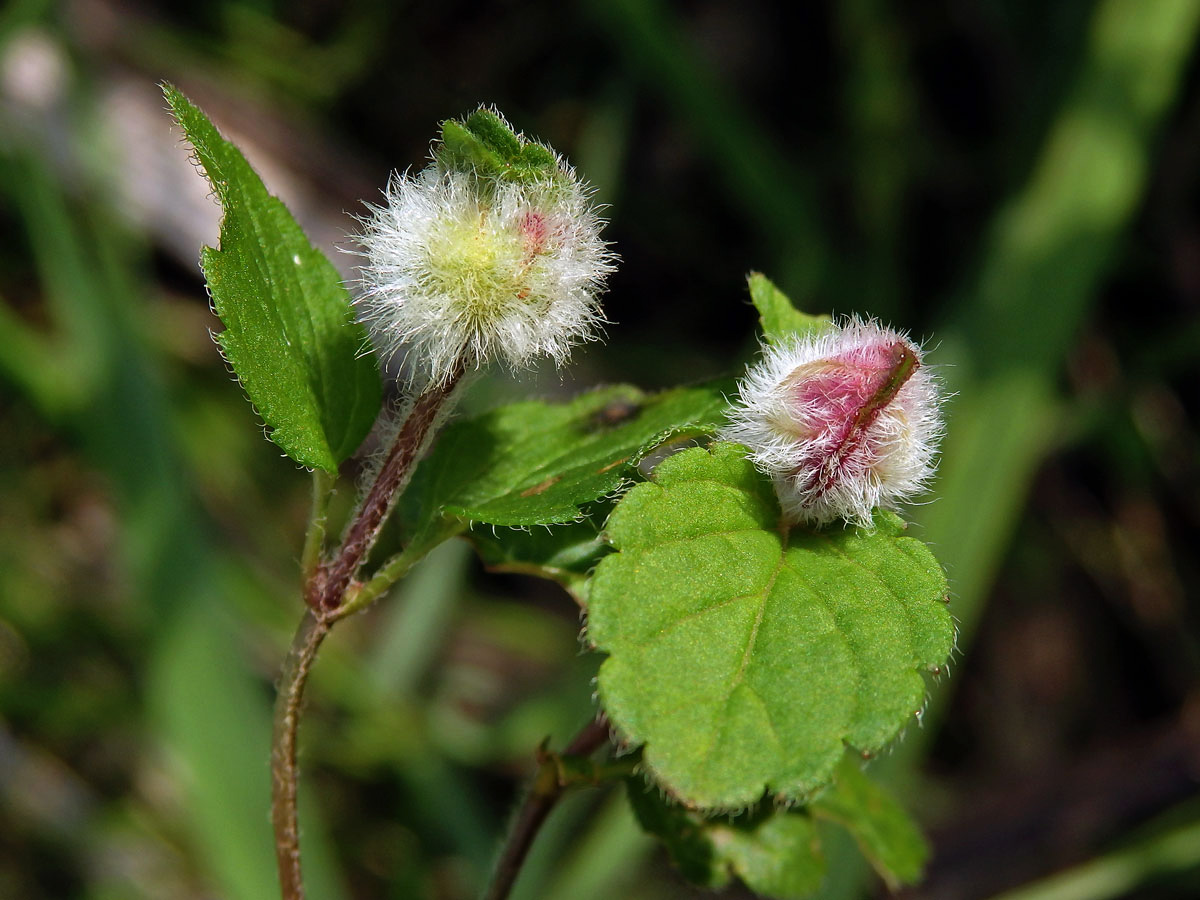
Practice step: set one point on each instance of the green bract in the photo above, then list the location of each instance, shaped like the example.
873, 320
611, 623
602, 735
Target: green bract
290, 333
485, 143
745, 655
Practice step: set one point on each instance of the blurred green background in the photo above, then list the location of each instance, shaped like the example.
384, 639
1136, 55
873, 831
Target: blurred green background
1016, 182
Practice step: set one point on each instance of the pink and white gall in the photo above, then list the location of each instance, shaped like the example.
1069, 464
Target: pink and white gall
843, 421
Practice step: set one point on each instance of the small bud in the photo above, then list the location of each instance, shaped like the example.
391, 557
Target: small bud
843, 421
491, 252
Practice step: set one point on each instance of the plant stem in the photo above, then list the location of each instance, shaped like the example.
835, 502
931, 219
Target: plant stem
314, 538
365, 594
284, 770
548, 786
328, 587
326, 591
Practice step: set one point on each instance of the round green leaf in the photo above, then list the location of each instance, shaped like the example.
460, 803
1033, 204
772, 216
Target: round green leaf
745, 653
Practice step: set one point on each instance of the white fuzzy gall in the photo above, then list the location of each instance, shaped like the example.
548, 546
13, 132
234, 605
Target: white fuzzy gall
464, 267
842, 420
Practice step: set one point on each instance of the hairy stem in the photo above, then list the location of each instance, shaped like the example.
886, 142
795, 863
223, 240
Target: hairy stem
326, 593
548, 786
327, 588
363, 595
314, 538
284, 769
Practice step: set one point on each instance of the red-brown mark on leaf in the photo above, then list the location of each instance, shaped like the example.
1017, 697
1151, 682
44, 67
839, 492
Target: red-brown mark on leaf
612, 465
541, 486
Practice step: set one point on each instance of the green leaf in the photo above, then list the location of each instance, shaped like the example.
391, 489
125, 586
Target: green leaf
745, 654
682, 831
775, 852
290, 334
779, 319
780, 857
537, 463
885, 833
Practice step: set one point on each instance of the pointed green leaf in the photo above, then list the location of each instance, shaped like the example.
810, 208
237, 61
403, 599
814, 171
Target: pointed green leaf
743, 654
779, 319
461, 149
536, 463
290, 334
885, 833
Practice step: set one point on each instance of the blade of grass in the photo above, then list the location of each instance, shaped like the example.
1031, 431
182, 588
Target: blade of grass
413, 626
1121, 872
411, 634
879, 102
202, 693
30, 361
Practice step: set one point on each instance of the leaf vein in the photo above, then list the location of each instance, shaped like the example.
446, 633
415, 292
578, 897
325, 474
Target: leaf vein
887, 589
721, 719
694, 614
665, 542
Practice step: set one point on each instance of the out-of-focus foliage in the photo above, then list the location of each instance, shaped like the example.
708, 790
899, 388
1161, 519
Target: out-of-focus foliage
1016, 181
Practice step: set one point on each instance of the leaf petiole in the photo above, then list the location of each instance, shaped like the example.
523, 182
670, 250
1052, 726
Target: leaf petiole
555, 775
314, 537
